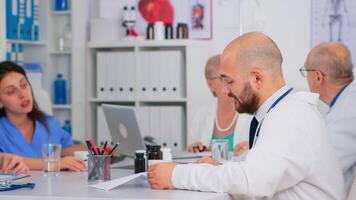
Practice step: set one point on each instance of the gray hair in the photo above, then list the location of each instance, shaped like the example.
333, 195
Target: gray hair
334, 60
211, 67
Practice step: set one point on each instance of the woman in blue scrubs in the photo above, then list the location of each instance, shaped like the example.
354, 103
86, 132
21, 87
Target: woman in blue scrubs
24, 128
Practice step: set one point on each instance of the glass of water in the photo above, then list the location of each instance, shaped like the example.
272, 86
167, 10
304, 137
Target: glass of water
220, 149
51, 156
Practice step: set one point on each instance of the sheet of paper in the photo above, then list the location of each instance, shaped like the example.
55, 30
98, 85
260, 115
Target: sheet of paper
108, 185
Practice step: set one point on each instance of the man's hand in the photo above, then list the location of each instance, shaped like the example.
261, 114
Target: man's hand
73, 164
241, 148
208, 160
13, 163
197, 147
160, 176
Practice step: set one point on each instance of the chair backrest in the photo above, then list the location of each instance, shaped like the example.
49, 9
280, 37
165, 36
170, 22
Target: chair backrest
43, 100
352, 192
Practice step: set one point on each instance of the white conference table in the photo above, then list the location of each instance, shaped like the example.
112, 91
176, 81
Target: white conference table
74, 185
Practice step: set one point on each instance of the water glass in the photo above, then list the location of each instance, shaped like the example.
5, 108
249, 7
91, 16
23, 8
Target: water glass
220, 149
51, 156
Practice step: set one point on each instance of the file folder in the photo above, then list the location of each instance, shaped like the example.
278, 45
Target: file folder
8, 51
13, 56
28, 20
22, 9
101, 68
36, 22
12, 19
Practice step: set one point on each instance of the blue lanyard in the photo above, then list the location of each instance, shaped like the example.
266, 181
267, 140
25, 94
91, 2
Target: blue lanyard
337, 95
270, 108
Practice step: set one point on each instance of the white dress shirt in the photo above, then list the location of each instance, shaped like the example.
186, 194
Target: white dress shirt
341, 123
292, 158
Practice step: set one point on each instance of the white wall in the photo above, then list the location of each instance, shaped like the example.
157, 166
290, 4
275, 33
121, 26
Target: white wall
287, 22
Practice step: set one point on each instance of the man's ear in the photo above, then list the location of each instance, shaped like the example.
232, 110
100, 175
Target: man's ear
256, 78
319, 77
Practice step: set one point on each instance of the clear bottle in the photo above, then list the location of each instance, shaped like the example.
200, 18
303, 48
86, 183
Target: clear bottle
60, 90
166, 154
67, 37
140, 161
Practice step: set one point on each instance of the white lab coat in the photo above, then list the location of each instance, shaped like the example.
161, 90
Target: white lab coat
292, 159
204, 120
341, 123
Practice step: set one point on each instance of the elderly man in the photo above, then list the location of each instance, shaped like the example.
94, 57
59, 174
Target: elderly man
328, 69
291, 156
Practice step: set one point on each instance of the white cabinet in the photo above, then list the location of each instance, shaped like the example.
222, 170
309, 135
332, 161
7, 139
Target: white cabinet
157, 78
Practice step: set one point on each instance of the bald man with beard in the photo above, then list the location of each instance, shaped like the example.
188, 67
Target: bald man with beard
329, 71
291, 157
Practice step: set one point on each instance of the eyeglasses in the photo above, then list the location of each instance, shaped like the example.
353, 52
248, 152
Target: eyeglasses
303, 71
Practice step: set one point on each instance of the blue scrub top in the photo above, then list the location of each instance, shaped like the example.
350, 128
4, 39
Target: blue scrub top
12, 140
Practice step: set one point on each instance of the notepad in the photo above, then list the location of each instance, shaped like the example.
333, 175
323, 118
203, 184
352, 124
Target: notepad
11, 176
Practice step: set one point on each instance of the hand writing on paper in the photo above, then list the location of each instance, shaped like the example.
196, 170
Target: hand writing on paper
73, 163
13, 163
240, 148
160, 176
208, 160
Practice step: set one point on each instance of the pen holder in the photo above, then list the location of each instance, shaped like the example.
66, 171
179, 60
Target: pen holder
99, 167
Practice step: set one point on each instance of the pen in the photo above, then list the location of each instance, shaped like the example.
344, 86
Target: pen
104, 148
112, 150
91, 142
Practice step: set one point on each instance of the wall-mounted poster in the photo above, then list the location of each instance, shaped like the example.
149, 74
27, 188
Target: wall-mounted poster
334, 20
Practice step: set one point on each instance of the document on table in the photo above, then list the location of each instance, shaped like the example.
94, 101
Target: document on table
108, 185
11, 176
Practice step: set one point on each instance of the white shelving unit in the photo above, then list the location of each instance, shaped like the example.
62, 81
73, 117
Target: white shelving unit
194, 54
68, 62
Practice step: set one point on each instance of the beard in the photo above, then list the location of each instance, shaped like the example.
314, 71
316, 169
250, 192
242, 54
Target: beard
247, 102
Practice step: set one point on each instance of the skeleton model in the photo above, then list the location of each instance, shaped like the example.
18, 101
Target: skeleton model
336, 11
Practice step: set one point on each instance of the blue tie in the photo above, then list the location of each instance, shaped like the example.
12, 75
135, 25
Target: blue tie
253, 127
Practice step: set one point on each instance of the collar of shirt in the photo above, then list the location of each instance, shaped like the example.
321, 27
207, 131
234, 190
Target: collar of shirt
263, 109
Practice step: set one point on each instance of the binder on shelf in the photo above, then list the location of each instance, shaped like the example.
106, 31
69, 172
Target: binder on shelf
22, 18
101, 68
13, 56
8, 51
36, 23
177, 139
175, 76
155, 75
111, 75
128, 66
103, 132
12, 19
165, 126
28, 20
20, 56
155, 120
144, 74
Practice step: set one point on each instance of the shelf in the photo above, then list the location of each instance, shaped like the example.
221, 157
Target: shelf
26, 42
60, 107
168, 100
142, 43
96, 100
68, 53
68, 12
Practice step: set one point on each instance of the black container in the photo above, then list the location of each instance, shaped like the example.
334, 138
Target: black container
168, 32
150, 32
154, 153
179, 31
140, 162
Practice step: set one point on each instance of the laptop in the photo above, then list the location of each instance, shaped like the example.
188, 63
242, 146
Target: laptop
124, 129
